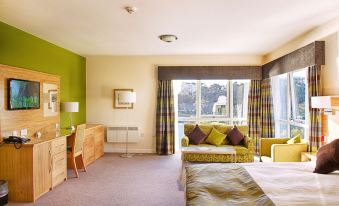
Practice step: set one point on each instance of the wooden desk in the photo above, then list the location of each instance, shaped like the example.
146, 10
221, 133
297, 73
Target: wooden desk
93, 144
36, 167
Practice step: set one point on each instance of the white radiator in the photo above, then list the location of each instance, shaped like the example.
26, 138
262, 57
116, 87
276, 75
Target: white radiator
117, 134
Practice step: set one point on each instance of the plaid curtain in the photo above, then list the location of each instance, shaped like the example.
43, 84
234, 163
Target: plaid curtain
165, 118
254, 108
267, 117
314, 89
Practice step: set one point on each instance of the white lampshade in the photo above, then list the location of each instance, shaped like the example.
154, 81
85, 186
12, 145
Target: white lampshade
70, 106
325, 102
127, 97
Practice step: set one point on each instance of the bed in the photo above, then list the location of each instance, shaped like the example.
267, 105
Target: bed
260, 184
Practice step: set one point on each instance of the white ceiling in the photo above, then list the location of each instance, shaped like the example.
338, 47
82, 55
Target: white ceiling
102, 27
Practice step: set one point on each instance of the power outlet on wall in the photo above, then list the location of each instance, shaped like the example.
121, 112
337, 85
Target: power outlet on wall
142, 134
23, 133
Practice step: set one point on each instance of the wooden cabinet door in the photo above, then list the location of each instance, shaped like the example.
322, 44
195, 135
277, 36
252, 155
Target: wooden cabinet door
42, 168
59, 161
99, 141
88, 150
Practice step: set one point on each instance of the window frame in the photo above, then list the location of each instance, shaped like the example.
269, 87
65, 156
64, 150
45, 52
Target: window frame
199, 118
291, 121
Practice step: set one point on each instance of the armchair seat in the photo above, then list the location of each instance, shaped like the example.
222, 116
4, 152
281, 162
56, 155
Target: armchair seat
277, 150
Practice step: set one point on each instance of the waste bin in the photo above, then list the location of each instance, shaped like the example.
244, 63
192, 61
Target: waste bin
3, 192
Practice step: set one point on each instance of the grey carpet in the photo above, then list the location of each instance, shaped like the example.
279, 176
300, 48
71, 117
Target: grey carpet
143, 180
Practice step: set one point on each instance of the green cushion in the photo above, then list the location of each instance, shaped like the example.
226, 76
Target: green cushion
294, 140
215, 137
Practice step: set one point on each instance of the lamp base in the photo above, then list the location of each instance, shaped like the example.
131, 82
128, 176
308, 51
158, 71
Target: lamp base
127, 155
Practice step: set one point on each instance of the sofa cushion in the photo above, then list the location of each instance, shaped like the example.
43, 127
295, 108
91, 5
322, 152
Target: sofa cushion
215, 137
207, 128
235, 136
197, 136
294, 140
328, 158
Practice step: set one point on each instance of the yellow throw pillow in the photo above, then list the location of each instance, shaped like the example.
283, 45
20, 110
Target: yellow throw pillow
215, 137
294, 140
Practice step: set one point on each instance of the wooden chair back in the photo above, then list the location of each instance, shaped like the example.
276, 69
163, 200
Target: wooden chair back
79, 138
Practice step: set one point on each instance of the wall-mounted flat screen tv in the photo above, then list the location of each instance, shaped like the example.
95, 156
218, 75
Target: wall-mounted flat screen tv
23, 94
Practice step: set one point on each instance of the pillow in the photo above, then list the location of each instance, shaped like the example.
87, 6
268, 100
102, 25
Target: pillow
294, 140
235, 136
328, 158
196, 136
215, 137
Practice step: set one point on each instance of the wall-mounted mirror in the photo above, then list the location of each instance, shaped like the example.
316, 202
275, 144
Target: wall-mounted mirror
50, 92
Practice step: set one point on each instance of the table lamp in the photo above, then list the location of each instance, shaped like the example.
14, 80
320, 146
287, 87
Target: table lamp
127, 97
70, 107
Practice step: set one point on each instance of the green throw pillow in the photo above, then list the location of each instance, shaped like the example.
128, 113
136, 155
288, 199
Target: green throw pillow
215, 137
294, 140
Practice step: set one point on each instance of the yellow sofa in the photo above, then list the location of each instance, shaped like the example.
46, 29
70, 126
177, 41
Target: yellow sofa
244, 152
277, 150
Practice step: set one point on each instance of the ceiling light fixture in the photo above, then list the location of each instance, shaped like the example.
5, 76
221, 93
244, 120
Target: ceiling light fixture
131, 9
168, 38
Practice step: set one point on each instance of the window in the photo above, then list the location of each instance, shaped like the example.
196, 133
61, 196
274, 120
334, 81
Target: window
290, 104
210, 101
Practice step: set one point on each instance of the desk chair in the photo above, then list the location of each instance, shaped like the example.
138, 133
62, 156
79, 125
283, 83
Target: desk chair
76, 148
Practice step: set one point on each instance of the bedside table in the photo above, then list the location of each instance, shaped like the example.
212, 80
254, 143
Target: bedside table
308, 156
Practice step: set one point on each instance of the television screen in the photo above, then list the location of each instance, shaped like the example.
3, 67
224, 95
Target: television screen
23, 94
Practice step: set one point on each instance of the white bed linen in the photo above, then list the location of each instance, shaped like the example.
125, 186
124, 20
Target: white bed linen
295, 183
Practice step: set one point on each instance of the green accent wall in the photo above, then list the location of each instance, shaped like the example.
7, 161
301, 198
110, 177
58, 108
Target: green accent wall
21, 49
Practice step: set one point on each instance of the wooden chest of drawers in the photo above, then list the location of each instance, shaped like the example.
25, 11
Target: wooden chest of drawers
35, 168
93, 144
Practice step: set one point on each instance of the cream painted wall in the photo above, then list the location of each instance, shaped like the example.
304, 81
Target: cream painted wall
329, 32
105, 73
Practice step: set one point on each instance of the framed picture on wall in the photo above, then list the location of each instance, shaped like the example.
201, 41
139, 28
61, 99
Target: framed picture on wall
50, 94
116, 103
53, 98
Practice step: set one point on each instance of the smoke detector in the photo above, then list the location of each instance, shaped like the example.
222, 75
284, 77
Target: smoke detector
131, 9
168, 37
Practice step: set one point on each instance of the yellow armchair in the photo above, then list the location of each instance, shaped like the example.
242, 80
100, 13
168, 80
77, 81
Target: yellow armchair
277, 150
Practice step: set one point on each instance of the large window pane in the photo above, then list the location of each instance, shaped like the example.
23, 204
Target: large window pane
280, 97
181, 131
280, 104
215, 122
214, 97
283, 130
295, 130
240, 96
299, 95
187, 98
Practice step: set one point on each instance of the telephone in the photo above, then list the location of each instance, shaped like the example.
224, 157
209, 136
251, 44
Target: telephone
14, 139
17, 141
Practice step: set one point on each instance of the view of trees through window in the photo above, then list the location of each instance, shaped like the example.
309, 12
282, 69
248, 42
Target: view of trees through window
187, 99
210, 101
214, 97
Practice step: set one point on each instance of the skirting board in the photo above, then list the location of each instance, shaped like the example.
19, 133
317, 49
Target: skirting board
122, 150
